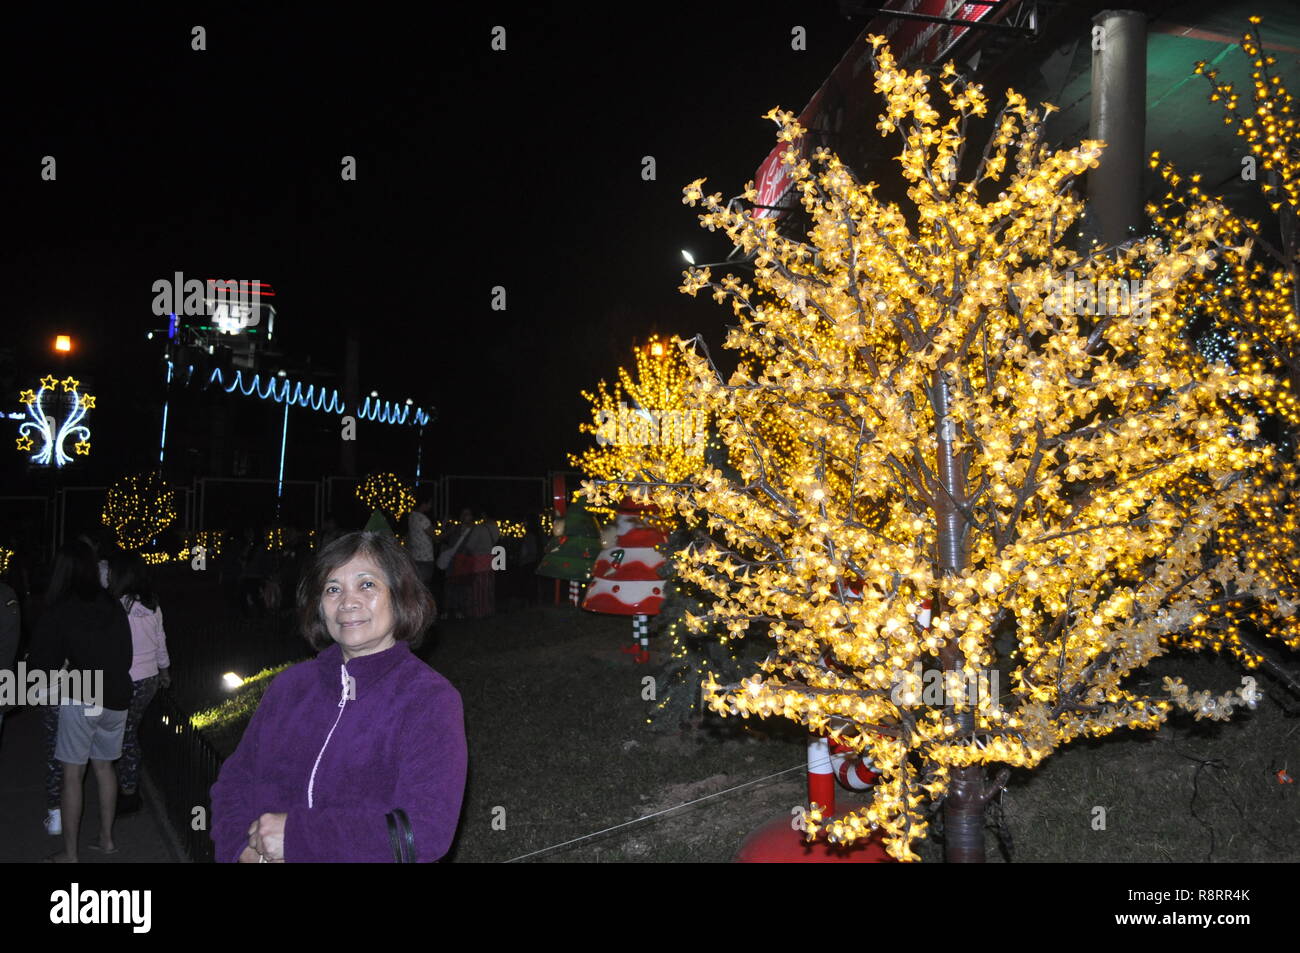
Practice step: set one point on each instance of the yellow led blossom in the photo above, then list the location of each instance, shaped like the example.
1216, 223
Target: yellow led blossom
647, 420
937, 399
1245, 313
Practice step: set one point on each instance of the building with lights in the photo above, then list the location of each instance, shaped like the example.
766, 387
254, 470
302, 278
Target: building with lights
238, 408
1121, 75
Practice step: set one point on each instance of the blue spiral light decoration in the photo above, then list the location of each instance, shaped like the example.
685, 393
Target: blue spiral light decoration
284, 391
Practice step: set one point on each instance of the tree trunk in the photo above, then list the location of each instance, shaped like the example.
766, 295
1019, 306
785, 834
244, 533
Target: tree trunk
963, 810
963, 818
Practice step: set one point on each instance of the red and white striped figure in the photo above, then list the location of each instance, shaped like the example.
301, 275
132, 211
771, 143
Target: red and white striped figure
626, 578
851, 769
923, 617
781, 841
829, 762
821, 776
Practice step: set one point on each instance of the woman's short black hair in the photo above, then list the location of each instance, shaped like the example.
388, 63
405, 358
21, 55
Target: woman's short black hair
128, 575
413, 608
75, 574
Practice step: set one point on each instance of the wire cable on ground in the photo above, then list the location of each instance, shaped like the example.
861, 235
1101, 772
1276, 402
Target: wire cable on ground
797, 767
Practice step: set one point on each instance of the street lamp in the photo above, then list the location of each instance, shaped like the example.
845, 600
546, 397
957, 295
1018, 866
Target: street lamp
742, 260
63, 343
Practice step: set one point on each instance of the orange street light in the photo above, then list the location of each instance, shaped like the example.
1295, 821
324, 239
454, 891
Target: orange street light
63, 343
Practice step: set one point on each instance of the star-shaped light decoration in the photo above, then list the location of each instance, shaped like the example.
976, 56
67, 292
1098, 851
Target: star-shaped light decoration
53, 425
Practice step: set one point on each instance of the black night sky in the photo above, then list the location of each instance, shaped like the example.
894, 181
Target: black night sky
475, 169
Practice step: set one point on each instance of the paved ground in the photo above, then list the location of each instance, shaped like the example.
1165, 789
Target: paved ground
139, 837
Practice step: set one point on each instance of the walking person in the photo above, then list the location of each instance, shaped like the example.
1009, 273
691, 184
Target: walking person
526, 564
419, 539
452, 563
252, 568
480, 583
86, 627
129, 584
100, 545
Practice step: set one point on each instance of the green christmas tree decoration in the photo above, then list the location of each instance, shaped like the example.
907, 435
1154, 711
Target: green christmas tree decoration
571, 553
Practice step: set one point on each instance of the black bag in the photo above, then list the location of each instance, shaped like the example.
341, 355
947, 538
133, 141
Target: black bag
400, 837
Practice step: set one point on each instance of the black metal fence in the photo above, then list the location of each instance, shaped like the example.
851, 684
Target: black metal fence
184, 767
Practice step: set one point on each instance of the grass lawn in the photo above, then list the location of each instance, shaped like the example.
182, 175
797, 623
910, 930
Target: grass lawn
560, 748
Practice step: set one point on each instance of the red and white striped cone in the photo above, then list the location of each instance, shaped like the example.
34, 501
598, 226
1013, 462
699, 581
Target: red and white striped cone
821, 777
851, 769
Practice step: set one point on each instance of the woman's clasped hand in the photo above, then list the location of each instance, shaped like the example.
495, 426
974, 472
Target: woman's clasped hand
265, 840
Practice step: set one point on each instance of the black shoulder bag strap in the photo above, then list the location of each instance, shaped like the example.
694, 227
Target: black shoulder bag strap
400, 837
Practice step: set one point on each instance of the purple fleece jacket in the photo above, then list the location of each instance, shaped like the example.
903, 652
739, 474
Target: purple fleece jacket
337, 764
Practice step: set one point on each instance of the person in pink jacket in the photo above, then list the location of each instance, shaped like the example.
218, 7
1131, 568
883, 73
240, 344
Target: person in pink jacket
129, 583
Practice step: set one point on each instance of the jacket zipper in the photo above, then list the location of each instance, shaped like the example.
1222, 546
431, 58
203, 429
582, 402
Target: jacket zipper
343, 700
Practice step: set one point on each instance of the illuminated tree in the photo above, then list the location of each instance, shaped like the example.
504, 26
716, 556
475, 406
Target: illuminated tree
1245, 314
138, 508
645, 420
983, 418
648, 422
385, 491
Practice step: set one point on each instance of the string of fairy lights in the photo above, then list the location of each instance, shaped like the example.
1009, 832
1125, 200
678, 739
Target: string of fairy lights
387, 492
648, 421
1248, 312
917, 419
138, 508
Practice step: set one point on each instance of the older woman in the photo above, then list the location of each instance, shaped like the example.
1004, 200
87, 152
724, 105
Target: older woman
359, 754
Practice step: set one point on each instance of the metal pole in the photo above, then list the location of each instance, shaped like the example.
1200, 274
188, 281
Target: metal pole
284, 440
162, 442
419, 453
351, 399
1119, 75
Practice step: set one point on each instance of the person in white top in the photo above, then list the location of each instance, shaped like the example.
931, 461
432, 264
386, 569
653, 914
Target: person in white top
419, 540
150, 664
472, 571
